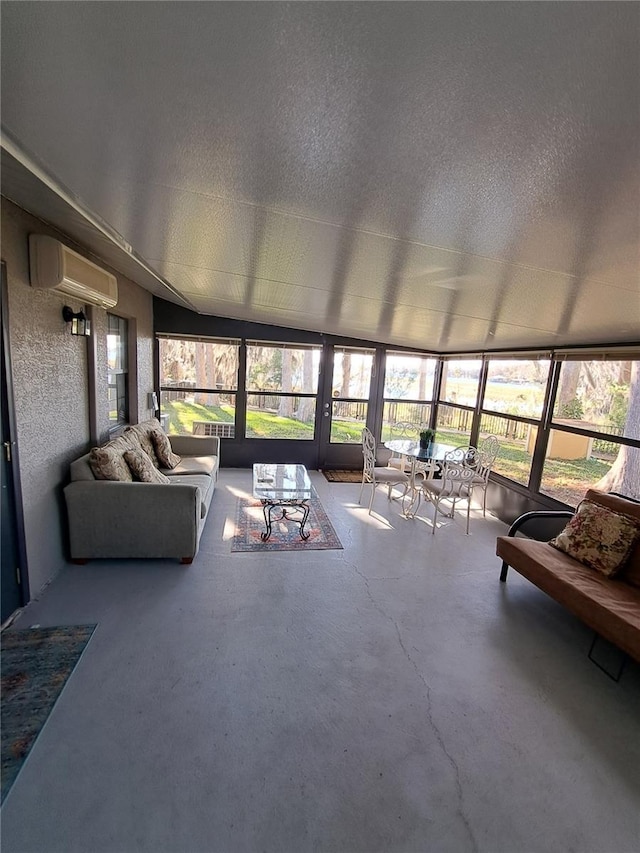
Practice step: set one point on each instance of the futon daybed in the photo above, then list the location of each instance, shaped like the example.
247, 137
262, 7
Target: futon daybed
608, 605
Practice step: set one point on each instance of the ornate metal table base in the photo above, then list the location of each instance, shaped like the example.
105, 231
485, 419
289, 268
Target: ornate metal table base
289, 510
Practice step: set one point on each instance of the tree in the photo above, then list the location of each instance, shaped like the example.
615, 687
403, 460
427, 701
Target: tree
285, 409
345, 390
568, 390
306, 404
422, 379
202, 379
624, 474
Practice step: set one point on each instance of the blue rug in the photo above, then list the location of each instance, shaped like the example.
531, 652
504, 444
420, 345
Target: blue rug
35, 665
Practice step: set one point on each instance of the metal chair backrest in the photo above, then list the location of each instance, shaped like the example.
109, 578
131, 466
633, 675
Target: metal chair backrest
368, 450
459, 468
404, 429
457, 471
466, 454
489, 450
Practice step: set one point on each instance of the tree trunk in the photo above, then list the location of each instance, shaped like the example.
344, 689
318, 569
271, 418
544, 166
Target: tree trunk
624, 474
422, 379
305, 407
201, 372
445, 376
285, 409
569, 376
346, 375
210, 371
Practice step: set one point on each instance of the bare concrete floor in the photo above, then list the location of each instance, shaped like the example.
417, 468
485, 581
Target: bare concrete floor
393, 696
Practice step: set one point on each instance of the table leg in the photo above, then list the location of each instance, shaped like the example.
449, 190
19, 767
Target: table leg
268, 507
305, 516
412, 493
266, 511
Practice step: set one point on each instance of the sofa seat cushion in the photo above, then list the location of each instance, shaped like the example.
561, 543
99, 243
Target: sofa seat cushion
205, 486
193, 465
609, 605
108, 463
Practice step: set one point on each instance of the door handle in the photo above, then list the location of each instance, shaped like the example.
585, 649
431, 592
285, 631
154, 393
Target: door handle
7, 450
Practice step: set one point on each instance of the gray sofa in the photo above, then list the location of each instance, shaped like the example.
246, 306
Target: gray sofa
111, 519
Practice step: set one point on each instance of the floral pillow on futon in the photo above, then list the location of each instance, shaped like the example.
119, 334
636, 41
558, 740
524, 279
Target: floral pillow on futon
598, 537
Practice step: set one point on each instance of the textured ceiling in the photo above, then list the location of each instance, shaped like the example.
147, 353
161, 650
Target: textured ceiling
449, 176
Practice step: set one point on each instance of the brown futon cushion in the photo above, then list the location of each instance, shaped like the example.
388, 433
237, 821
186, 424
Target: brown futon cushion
609, 606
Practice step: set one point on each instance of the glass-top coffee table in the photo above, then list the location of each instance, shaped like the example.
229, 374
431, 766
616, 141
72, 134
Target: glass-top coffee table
286, 488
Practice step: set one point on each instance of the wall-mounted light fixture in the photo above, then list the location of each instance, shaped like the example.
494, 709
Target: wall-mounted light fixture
79, 323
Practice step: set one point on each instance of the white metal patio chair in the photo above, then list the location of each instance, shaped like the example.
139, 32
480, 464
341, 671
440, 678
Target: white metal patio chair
376, 475
402, 430
455, 484
488, 452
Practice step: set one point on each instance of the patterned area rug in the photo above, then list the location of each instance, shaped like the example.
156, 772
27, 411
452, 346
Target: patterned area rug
343, 476
36, 664
285, 534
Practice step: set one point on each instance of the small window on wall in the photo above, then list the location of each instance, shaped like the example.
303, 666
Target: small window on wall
117, 370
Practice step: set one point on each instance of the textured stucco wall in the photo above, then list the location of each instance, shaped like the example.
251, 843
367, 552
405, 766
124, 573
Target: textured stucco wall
50, 387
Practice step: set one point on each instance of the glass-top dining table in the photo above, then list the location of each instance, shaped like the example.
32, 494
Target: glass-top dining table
420, 459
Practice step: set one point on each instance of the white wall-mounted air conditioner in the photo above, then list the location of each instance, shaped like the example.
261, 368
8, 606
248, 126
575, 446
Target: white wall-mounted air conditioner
54, 266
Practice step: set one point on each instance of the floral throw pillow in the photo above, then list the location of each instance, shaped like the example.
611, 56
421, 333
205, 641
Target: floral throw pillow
143, 468
140, 436
166, 457
107, 462
598, 537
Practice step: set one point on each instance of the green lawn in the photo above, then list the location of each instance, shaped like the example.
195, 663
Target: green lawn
260, 423
564, 479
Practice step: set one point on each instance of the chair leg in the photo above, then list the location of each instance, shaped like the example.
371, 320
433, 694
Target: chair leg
410, 507
468, 511
373, 492
435, 518
361, 489
484, 502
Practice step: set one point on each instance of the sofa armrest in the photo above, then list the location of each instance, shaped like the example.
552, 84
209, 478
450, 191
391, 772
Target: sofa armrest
541, 525
195, 445
115, 520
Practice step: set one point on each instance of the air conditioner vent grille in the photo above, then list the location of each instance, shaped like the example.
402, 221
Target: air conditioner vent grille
54, 266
